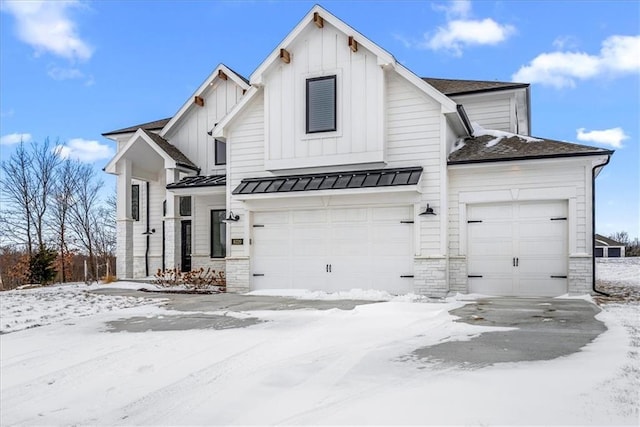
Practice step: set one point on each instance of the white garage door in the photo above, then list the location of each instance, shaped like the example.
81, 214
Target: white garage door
518, 249
334, 249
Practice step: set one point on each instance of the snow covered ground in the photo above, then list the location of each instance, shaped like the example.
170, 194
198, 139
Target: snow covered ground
297, 367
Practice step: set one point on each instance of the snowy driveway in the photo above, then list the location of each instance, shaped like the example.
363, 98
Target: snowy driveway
352, 365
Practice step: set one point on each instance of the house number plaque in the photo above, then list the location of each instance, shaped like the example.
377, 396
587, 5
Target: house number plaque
237, 241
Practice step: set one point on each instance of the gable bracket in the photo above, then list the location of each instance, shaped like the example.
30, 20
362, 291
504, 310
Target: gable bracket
285, 56
353, 44
318, 20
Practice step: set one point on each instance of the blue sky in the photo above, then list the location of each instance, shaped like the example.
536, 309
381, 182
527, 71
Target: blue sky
73, 70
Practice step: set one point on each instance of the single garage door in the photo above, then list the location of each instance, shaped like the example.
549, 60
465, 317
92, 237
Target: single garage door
334, 249
518, 249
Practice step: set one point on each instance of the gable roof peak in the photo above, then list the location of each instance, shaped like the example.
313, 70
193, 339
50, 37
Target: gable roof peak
384, 57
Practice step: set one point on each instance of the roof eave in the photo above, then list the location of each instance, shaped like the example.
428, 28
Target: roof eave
536, 157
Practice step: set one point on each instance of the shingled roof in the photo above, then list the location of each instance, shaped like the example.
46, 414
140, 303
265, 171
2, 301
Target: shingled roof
154, 125
461, 87
484, 148
172, 151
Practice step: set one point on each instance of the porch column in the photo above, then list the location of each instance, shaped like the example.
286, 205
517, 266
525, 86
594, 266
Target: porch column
172, 224
124, 237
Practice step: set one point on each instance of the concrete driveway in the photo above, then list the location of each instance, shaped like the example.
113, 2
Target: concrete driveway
544, 328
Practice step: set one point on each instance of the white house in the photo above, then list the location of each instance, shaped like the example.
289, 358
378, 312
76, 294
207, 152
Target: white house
338, 168
608, 248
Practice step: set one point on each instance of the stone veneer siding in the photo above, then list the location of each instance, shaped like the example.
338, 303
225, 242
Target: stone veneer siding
580, 275
237, 273
430, 277
458, 281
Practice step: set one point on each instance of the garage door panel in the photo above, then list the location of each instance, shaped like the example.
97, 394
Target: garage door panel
520, 233
365, 247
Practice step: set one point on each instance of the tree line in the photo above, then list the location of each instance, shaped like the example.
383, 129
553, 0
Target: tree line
632, 246
53, 218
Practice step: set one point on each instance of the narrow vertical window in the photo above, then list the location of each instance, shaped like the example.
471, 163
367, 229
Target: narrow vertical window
221, 152
135, 202
321, 104
185, 206
218, 234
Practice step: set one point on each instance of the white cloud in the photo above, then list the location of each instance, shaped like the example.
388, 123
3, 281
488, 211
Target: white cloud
612, 137
462, 33
85, 150
47, 27
454, 8
15, 138
618, 55
57, 73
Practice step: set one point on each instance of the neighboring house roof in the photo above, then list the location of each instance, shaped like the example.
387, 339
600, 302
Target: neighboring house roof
171, 150
199, 181
484, 148
461, 87
605, 241
331, 181
154, 125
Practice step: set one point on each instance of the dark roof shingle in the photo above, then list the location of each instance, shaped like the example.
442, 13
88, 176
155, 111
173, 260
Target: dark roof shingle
154, 125
172, 151
461, 87
479, 150
331, 181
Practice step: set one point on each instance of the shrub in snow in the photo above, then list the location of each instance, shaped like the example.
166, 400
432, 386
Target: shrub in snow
200, 279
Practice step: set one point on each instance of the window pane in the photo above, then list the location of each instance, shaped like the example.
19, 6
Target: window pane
135, 202
218, 234
321, 104
221, 153
185, 206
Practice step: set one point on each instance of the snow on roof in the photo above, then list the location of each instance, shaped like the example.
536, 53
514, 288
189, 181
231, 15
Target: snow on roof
498, 135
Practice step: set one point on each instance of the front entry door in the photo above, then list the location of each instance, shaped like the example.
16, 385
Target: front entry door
185, 245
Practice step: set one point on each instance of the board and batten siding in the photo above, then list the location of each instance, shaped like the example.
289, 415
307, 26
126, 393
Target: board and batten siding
156, 197
414, 126
190, 135
359, 136
495, 111
245, 151
522, 181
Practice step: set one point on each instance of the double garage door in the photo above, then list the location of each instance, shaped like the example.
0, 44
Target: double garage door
518, 249
334, 249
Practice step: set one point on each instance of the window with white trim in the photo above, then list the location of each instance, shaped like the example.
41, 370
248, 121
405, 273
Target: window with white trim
321, 104
221, 152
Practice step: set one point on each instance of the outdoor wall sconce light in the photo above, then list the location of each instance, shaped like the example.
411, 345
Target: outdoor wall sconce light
149, 232
232, 217
428, 211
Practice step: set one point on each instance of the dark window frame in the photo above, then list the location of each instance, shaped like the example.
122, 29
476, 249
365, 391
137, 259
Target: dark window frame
334, 126
219, 161
135, 202
184, 212
215, 227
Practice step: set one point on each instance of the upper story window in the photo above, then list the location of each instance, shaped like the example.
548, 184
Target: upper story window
321, 104
185, 206
221, 152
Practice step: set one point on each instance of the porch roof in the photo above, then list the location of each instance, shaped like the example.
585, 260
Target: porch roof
330, 181
199, 181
